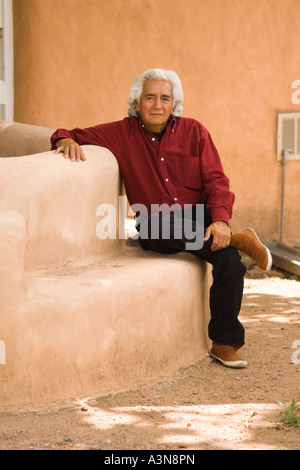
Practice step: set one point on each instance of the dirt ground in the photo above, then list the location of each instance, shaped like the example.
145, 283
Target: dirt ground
204, 407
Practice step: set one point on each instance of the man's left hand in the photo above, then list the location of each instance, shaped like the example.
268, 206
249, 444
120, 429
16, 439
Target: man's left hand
221, 235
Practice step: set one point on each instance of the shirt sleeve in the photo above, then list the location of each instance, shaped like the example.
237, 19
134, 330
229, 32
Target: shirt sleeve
217, 193
104, 135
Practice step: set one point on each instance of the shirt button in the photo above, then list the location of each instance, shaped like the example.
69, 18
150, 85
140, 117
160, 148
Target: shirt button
153, 138
175, 198
167, 179
162, 159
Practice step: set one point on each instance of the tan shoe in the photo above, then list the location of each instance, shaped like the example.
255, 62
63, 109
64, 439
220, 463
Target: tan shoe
227, 355
248, 242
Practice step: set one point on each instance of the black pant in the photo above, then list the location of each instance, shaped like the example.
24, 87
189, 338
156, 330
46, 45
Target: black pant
228, 280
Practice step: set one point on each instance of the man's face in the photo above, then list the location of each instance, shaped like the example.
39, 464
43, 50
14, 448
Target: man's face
156, 104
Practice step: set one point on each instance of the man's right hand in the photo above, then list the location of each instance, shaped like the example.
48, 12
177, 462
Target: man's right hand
70, 149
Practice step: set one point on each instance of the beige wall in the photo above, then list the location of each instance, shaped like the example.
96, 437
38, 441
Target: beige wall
75, 61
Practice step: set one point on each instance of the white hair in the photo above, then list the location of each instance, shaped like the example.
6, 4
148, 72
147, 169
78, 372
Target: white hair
156, 74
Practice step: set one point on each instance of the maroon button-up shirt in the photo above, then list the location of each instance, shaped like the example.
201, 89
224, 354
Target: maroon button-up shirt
184, 168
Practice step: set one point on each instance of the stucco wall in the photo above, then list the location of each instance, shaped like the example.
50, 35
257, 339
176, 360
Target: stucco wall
75, 61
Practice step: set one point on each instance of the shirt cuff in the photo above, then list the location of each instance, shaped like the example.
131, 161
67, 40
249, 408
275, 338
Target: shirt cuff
220, 214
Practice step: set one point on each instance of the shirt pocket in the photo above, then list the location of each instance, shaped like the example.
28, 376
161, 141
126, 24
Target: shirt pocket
186, 171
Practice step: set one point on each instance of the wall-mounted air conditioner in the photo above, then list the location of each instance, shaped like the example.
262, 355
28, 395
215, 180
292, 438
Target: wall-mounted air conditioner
288, 135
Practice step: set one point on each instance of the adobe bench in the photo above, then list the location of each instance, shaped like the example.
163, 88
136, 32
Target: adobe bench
80, 315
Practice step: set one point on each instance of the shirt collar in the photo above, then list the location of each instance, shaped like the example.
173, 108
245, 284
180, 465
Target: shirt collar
171, 122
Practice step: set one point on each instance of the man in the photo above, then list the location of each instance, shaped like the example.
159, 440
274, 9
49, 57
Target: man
166, 159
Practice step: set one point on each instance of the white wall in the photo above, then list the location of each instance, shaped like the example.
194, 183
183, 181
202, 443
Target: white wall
6, 61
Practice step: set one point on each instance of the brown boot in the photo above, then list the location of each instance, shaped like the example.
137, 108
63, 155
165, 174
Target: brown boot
248, 242
227, 355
